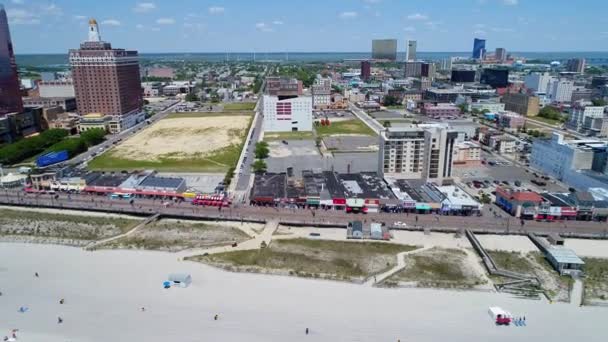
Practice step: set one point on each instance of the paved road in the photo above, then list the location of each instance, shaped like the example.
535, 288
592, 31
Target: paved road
115, 138
485, 223
243, 173
368, 120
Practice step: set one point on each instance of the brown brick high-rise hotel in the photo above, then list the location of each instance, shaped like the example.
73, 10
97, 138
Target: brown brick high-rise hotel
107, 82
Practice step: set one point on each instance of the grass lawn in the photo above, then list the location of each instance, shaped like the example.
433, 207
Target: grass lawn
239, 106
596, 278
512, 261
438, 267
174, 235
217, 162
354, 126
313, 258
125, 224
288, 136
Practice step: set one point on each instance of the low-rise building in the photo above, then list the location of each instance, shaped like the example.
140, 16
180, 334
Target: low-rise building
488, 105
67, 103
511, 120
467, 153
503, 144
441, 110
56, 89
518, 203
94, 121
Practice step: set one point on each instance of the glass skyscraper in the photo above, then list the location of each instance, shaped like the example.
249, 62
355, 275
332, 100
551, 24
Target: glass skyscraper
479, 48
10, 94
384, 49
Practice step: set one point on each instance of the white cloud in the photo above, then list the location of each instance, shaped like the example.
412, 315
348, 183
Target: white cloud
510, 2
479, 26
262, 26
80, 17
142, 7
409, 29
348, 15
502, 29
480, 32
17, 2
216, 10
139, 26
111, 22
51, 9
418, 16
278, 22
433, 25
165, 21
22, 17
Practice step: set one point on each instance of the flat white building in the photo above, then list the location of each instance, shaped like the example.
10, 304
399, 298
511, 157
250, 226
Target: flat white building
492, 107
56, 89
291, 114
560, 90
538, 82
582, 114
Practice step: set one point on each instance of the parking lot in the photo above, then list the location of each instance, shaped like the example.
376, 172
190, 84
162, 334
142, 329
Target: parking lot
351, 143
304, 155
336, 114
509, 175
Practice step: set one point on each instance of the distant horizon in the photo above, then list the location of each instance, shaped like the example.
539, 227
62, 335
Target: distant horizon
319, 52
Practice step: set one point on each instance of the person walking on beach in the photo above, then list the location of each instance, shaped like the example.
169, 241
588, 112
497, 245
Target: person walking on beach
36, 274
306, 331
59, 320
61, 301
215, 317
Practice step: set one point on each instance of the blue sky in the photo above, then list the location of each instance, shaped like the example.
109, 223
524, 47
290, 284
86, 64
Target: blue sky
41, 26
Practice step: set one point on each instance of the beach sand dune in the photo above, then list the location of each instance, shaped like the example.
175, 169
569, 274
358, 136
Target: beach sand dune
104, 291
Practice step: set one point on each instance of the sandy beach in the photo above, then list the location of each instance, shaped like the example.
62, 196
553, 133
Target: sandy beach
104, 291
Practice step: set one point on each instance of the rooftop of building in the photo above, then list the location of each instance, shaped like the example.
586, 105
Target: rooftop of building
269, 185
458, 196
518, 195
109, 180
365, 185
565, 256
162, 182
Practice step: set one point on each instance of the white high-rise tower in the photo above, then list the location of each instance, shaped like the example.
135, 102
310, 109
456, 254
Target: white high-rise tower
94, 35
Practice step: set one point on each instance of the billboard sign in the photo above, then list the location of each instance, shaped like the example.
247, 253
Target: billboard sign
52, 158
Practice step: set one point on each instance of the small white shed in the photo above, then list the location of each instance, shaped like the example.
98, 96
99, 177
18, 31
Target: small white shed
180, 279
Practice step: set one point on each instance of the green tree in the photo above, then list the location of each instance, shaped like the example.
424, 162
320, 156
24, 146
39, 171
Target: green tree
93, 137
261, 150
386, 124
599, 102
259, 166
549, 112
390, 100
192, 97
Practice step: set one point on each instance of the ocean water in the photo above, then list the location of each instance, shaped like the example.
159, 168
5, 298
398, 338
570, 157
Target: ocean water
593, 58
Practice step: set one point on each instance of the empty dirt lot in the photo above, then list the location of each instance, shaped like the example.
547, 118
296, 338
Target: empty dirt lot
181, 143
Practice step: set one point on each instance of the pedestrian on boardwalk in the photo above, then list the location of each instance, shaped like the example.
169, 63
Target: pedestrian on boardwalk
36, 274
306, 331
215, 317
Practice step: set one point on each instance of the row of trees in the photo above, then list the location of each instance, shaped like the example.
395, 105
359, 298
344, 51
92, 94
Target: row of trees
26, 148
262, 151
552, 113
52, 140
